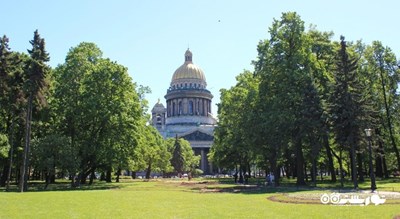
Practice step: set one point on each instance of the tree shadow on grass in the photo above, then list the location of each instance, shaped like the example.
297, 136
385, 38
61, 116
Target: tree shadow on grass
66, 186
257, 186
250, 189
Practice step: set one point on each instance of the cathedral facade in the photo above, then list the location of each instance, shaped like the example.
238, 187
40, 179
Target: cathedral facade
188, 111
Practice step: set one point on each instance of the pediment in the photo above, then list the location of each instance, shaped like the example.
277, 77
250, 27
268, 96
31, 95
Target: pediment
198, 136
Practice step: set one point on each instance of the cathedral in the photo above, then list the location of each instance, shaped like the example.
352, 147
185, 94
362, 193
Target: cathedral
188, 111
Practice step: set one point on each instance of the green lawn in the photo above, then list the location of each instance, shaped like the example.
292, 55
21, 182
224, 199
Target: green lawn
174, 199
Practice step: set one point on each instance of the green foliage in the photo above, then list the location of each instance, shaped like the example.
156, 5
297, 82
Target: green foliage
54, 152
98, 107
308, 100
36, 73
177, 157
37, 69
382, 70
151, 153
4, 146
289, 98
235, 133
183, 158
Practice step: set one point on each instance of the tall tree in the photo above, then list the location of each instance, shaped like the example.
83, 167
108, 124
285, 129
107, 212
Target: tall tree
103, 126
79, 63
177, 159
285, 64
234, 136
36, 81
324, 52
5, 74
382, 65
347, 106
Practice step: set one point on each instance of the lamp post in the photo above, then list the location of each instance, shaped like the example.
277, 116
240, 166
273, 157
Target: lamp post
368, 133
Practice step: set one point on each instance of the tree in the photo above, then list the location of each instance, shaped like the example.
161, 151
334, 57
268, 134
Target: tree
12, 101
324, 53
5, 68
53, 152
183, 158
177, 158
151, 153
288, 97
347, 106
382, 65
36, 82
234, 136
4, 146
68, 105
103, 126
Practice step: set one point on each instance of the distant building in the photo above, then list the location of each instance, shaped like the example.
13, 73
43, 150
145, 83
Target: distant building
188, 112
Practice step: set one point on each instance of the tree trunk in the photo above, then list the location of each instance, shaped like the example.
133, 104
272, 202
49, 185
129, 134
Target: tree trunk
108, 174
378, 165
241, 181
389, 119
385, 170
92, 176
273, 168
340, 161
82, 177
73, 177
331, 167
47, 179
277, 175
353, 166
118, 174
360, 167
148, 171
25, 162
4, 173
300, 163
11, 139
133, 174
314, 171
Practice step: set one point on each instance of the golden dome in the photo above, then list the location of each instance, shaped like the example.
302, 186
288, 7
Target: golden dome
188, 71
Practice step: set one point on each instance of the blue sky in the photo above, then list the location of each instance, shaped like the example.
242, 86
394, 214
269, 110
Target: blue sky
151, 37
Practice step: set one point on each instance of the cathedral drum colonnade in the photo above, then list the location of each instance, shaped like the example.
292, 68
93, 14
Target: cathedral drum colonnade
188, 112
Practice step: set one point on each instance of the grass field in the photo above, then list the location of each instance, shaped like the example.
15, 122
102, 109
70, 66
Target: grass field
178, 199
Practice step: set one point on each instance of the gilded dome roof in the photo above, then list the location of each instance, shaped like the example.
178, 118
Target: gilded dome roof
188, 71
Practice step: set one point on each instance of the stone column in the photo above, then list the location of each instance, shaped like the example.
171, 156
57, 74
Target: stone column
168, 108
201, 107
194, 106
185, 106
204, 107
175, 108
